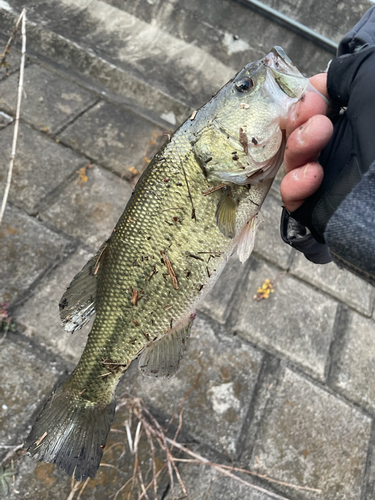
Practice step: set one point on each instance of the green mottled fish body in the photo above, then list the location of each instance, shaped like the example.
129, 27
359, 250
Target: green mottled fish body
197, 202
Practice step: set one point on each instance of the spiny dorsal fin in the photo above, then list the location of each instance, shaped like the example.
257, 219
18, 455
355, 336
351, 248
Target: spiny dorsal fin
162, 358
226, 213
77, 305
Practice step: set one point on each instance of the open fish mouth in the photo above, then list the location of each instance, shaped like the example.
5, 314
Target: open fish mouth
282, 67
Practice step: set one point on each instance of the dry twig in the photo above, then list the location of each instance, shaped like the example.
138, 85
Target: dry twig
16, 121
147, 425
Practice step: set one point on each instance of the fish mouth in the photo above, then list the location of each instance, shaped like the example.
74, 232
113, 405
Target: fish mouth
280, 64
283, 70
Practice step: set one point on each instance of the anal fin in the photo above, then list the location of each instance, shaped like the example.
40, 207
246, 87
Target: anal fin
162, 357
77, 305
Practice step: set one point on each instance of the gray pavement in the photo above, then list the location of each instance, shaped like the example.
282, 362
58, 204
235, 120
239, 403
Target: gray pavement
282, 386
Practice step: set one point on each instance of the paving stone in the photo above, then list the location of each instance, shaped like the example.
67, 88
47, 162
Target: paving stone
268, 242
204, 483
311, 438
90, 210
216, 304
340, 283
12, 62
21, 395
295, 321
115, 137
38, 317
41, 167
336, 21
49, 102
355, 363
27, 249
183, 50
216, 407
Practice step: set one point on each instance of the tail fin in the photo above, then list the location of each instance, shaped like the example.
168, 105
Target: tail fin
71, 433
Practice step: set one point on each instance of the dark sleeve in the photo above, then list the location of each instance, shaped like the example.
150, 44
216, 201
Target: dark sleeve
350, 232
351, 150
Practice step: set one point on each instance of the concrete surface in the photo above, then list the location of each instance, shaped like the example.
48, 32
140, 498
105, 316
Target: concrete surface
282, 386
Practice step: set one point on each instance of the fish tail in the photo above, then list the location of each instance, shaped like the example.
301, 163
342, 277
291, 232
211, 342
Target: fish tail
71, 433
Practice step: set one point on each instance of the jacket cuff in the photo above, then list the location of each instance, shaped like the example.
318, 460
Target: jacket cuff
299, 237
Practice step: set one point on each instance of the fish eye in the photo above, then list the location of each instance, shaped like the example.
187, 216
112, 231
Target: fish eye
245, 84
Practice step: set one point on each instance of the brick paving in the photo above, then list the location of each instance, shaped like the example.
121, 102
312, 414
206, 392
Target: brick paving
283, 386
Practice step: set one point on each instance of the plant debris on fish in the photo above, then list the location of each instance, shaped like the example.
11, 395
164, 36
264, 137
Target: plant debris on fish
197, 202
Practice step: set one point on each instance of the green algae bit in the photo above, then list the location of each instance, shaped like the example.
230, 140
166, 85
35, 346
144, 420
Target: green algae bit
196, 204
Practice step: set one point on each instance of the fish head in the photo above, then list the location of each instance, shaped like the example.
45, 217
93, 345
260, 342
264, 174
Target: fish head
244, 137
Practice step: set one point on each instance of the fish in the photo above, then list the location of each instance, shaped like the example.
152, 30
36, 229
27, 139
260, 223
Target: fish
197, 202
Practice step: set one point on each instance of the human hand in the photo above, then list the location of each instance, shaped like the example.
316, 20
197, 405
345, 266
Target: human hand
308, 132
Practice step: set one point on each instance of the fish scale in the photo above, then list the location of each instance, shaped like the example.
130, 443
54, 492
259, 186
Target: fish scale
195, 204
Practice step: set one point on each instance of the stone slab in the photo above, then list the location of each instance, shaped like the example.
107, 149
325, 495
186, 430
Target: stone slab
339, 283
204, 483
268, 243
354, 367
338, 19
41, 167
38, 317
49, 101
311, 438
220, 396
12, 62
27, 250
115, 137
217, 302
185, 51
90, 210
295, 322
26, 379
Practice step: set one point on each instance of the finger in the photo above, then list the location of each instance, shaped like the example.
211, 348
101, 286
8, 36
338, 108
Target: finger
319, 81
307, 141
299, 184
309, 105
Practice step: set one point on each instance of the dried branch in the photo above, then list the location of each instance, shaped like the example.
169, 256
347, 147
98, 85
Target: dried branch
12, 35
11, 452
225, 469
16, 121
146, 423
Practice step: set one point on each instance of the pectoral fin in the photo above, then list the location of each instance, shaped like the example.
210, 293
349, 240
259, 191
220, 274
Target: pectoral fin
226, 213
247, 238
77, 305
162, 358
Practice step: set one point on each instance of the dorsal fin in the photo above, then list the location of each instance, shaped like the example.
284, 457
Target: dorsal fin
162, 357
77, 305
226, 213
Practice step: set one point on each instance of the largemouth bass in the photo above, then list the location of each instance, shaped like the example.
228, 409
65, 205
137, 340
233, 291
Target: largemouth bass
196, 203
